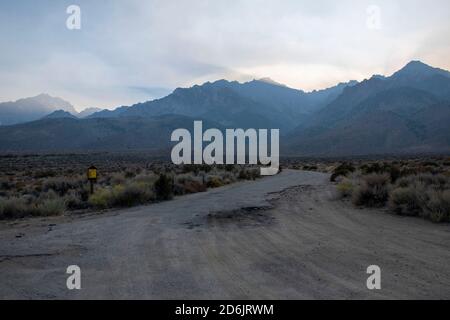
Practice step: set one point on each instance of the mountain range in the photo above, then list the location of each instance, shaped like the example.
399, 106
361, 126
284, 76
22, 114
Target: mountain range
35, 108
407, 112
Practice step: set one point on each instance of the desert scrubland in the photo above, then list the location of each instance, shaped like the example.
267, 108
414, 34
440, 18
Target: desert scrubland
287, 236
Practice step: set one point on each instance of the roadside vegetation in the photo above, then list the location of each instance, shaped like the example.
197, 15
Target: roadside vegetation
418, 188
48, 185
54, 184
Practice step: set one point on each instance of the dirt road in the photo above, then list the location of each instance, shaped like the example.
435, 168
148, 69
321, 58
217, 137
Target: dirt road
281, 237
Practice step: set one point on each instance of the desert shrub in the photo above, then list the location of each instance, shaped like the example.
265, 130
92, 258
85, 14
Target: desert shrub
430, 164
342, 170
196, 168
404, 182
130, 195
13, 208
249, 174
189, 183
423, 195
45, 173
184, 177
74, 201
193, 186
117, 178
20, 186
406, 201
181, 180
408, 171
439, 181
214, 182
163, 187
371, 168
243, 175
438, 206
101, 198
6, 184
84, 193
345, 188
122, 196
229, 167
373, 191
391, 169
178, 189
50, 194
49, 207
394, 173
227, 177
46, 204
60, 185
129, 174
146, 178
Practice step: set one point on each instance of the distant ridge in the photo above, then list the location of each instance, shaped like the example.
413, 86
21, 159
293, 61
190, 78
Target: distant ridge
407, 112
34, 108
87, 112
60, 114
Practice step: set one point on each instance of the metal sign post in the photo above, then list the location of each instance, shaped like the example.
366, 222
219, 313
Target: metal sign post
92, 177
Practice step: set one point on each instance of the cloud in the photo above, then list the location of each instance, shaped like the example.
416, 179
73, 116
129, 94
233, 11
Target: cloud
126, 51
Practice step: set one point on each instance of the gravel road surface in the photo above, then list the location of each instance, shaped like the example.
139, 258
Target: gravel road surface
281, 237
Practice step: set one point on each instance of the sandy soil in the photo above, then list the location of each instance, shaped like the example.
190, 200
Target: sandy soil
282, 237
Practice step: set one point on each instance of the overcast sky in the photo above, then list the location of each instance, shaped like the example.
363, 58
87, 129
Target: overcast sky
131, 51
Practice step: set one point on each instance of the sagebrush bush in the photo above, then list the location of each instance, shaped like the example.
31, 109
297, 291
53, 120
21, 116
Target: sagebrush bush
122, 196
417, 199
45, 173
101, 198
186, 183
373, 191
227, 177
146, 178
438, 206
194, 186
249, 174
74, 201
164, 187
342, 170
117, 178
391, 169
129, 174
13, 208
407, 201
50, 207
345, 188
436, 180
130, 195
5, 184
61, 185
214, 182
196, 168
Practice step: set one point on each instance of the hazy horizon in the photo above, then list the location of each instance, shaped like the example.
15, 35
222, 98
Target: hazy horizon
169, 91
137, 51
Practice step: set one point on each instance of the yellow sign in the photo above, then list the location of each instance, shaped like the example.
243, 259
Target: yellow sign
92, 173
